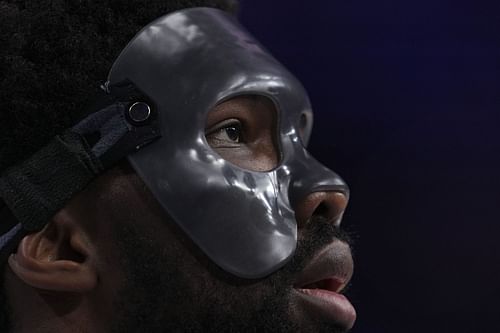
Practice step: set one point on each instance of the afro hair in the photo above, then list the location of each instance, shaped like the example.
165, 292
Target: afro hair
54, 56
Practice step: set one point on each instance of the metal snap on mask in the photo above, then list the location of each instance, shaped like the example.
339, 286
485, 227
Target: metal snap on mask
186, 63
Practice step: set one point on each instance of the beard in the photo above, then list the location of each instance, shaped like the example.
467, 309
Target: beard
170, 286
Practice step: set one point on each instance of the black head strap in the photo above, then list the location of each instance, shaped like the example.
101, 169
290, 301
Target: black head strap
37, 188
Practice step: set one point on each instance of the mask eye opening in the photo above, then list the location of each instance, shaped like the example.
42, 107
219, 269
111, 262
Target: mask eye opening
254, 136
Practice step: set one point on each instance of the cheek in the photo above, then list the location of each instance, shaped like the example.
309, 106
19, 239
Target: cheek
170, 251
259, 155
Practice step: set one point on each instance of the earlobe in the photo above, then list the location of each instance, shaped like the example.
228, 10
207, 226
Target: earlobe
57, 258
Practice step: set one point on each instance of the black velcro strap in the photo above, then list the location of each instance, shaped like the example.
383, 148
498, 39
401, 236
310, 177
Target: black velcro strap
35, 190
40, 186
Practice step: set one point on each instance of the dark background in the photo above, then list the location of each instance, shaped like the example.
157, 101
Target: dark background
406, 98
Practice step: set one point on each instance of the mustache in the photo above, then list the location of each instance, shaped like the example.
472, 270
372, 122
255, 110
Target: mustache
314, 237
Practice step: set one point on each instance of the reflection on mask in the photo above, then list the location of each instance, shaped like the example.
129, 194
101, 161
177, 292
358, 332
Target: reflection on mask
186, 63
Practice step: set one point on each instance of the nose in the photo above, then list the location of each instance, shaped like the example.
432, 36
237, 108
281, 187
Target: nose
329, 205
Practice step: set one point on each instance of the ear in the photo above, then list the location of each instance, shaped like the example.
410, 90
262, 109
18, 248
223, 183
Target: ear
57, 258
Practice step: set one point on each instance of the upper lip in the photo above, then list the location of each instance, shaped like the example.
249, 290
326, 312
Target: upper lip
331, 269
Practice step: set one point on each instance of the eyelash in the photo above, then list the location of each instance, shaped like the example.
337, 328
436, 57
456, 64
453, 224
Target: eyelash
223, 127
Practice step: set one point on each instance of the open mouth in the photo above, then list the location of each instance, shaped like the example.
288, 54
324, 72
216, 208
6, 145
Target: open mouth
321, 283
332, 284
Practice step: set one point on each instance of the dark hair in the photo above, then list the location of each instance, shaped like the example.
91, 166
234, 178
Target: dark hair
53, 56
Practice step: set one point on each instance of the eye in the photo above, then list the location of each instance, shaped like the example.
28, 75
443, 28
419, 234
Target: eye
233, 133
228, 132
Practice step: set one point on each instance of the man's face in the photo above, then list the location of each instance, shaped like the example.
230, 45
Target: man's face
168, 284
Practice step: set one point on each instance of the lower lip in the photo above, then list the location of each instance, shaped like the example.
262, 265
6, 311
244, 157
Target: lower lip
329, 304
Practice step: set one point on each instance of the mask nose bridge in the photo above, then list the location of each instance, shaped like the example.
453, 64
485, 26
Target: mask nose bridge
307, 176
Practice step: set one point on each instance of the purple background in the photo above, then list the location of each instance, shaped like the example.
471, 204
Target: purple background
406, 98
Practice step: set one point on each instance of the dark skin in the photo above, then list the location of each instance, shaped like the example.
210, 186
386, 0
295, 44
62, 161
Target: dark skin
113, 261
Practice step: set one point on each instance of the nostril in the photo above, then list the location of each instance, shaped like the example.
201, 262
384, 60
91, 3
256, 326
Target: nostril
329, 211
321, 210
